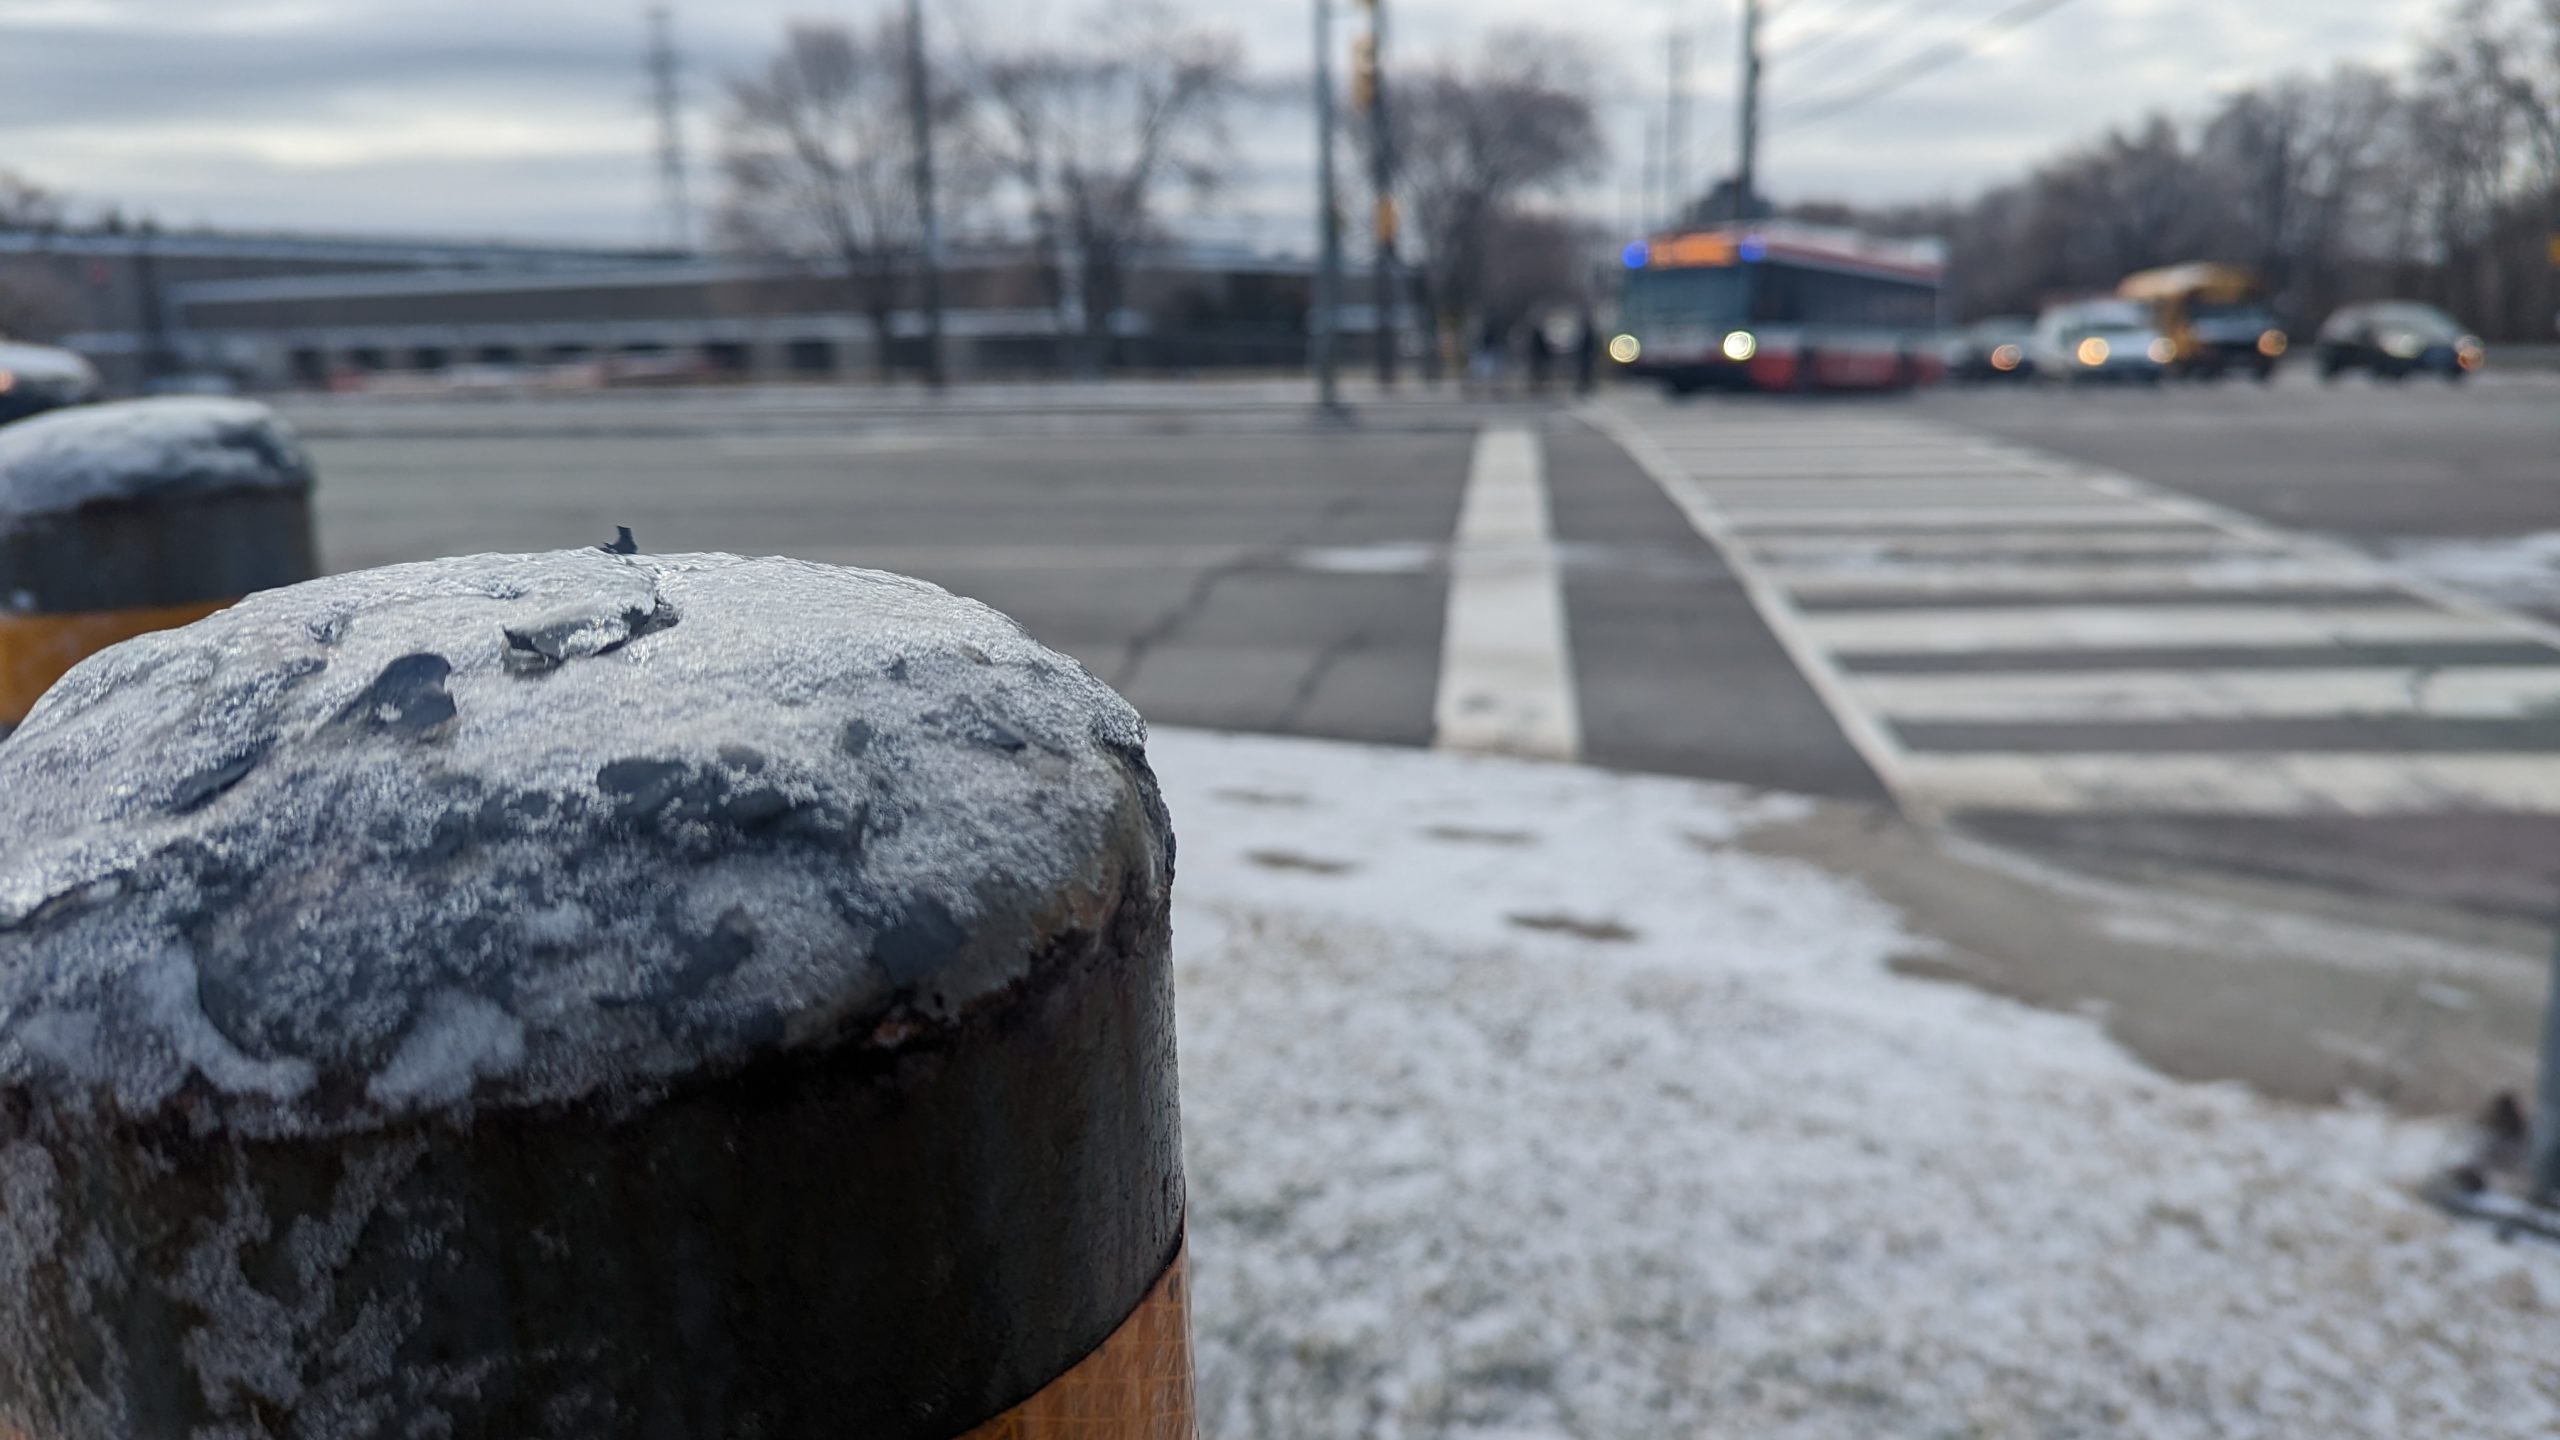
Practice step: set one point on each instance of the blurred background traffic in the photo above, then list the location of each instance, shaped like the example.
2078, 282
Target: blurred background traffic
281, 196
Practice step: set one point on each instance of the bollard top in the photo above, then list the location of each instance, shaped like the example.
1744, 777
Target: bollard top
517, 830
145, 450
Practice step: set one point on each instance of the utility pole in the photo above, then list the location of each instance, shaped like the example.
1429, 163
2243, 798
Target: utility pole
1746, 170
929, 230
1675, 127
1370, 86
1652, 174
1328, 224
676, 210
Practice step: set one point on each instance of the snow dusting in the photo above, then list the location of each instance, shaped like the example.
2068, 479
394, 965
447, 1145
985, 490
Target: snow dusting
2522, 570
130, 450
516, 829
1699, 1164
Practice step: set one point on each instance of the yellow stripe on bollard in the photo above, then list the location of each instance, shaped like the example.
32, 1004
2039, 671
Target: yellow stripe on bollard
1137, 1386
36, 650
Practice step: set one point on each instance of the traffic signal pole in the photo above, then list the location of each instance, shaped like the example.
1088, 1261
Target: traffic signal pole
1328, 296
1372, 78
1746, 168
929, 235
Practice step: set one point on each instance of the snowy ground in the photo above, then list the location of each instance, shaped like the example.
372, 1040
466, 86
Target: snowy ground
1521, 1103
2523, 571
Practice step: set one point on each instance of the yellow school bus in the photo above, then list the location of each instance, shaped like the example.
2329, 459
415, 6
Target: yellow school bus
2215, 317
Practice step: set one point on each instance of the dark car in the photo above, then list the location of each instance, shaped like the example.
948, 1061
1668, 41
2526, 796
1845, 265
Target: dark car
2395, 339
37, 378
1992, 350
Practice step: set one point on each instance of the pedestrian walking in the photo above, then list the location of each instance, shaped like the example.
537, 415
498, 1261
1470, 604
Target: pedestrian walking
1487, 363
1586, 352
1542, 357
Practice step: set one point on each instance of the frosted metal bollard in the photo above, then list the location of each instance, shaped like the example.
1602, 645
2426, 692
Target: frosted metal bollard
586, 995
136, 516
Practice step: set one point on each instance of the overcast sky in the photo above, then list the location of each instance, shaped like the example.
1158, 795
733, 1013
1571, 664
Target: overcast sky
526, 118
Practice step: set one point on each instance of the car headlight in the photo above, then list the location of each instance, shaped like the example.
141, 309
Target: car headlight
2007, 357
1741, 345
2469, 352
1626, 349
8, 382
2093, 351
2272, 344
2161, 351
2403, 344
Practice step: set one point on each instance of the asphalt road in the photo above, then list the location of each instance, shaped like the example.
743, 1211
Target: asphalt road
1231, 563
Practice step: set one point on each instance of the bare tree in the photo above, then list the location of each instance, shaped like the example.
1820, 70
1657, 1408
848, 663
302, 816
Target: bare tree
1092, 132
34, 302
1476, 141
26, 205
817, 157
2290, 162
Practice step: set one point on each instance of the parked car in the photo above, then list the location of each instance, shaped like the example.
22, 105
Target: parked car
2395, 339
1988, 351
2100, 340
37, 378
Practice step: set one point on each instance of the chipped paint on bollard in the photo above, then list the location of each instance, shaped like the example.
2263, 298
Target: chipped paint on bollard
120, 519
582, 995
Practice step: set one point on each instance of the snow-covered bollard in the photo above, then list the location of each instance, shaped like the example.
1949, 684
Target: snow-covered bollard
583, 995
136, 516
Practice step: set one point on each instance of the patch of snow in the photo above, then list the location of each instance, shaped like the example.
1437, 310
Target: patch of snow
1729, 1175
126, 450
2522, 570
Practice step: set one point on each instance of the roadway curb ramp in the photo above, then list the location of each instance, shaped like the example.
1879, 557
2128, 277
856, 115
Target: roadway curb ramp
124, 518
588, 994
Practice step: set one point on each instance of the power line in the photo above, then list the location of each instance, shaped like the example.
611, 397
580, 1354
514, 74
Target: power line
1926, 61
1866, 21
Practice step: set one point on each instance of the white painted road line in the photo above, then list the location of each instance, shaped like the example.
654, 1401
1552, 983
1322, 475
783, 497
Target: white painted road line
1963, 630
1506, 673
2174, 537
2042, 516
2243, 575
2284, 783
2480, 692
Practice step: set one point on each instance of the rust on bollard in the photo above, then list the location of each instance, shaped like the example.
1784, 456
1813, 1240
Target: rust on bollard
588, 994
120, 519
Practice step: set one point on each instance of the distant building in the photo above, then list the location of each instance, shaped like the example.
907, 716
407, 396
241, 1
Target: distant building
271, 311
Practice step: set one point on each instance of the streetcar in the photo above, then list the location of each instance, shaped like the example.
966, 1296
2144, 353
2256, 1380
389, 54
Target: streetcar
1779, 306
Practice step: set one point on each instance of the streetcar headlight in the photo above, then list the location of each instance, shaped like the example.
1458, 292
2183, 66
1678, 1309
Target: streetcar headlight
2093, 351
2007, 357
2272, 344
1741, 345
2161, 351
1625, 349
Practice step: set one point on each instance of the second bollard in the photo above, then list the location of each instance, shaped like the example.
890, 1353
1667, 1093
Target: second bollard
588, 995
136, 516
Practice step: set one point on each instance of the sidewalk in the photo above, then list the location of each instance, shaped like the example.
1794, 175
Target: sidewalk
1529, 1101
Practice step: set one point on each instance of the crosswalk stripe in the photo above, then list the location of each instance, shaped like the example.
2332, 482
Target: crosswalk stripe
1506, 676
2476, 693
1922, 517
1735, 495
2094, 627
2252, 574
2060, 636
2176, 538
2378, 783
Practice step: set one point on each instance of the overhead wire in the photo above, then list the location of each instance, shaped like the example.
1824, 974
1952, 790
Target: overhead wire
1928, 60
1864, 23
